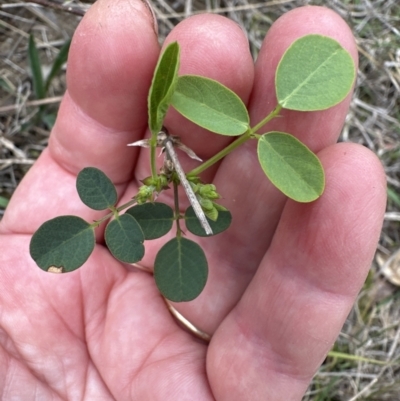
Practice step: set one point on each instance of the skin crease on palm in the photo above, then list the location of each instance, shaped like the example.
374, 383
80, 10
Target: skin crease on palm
282, 279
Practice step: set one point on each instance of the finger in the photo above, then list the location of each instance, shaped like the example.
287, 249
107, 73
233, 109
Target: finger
316, 129
290, 315
254, 202
110, 66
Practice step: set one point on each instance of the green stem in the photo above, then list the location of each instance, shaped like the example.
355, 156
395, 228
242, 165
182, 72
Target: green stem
113, 211
177, 211
239, 141
127, 204
268, 118
220, 155
153, 166
96, 223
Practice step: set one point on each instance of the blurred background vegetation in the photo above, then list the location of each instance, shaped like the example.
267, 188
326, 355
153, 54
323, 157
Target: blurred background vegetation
34, 40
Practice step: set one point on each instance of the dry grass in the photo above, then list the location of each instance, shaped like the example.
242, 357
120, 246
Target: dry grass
372, 330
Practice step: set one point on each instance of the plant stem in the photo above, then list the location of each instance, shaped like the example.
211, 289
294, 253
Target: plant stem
204, 166
127, 204
153, 144
177, 211
113, 211
242, 139
268, 118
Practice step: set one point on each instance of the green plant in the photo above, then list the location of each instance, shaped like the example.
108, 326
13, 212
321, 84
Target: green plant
315, 73
41, 84
3, 202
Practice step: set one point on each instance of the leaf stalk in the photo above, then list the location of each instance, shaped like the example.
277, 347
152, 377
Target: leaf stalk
114, 211
267, 119
220, 155
249, 134
153, 145
177, 211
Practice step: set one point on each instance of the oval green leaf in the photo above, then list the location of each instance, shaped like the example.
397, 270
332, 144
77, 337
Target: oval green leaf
95, 189
124, 239
315, 73
162, 86
211, 105
65, 241
291, 166
155, 219
180, 270
221, 224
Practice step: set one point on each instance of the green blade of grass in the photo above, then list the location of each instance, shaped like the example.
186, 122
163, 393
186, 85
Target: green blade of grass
3, 202
59, 61
341, 355
37, 74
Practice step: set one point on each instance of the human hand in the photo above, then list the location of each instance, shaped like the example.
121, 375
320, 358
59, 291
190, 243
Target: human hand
282, 278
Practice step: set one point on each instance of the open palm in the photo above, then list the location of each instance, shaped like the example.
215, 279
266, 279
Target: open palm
282, 278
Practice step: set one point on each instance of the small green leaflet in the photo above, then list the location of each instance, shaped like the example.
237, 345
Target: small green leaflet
221, 224
95, 189
40, 85
315, 73
162, 86
155, 219
65, 241
291, 166
211, 105
180, 270
124, 239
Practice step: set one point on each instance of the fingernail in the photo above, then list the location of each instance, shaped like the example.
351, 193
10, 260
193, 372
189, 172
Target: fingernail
153, 15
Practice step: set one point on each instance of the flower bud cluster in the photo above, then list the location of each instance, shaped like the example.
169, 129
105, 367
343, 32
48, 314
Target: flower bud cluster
151, 188
206, 195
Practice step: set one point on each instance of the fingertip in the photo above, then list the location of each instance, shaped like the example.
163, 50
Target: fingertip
297, 302
311, 20
111, 61
316, 129
356, 184
339, 232
210, 46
